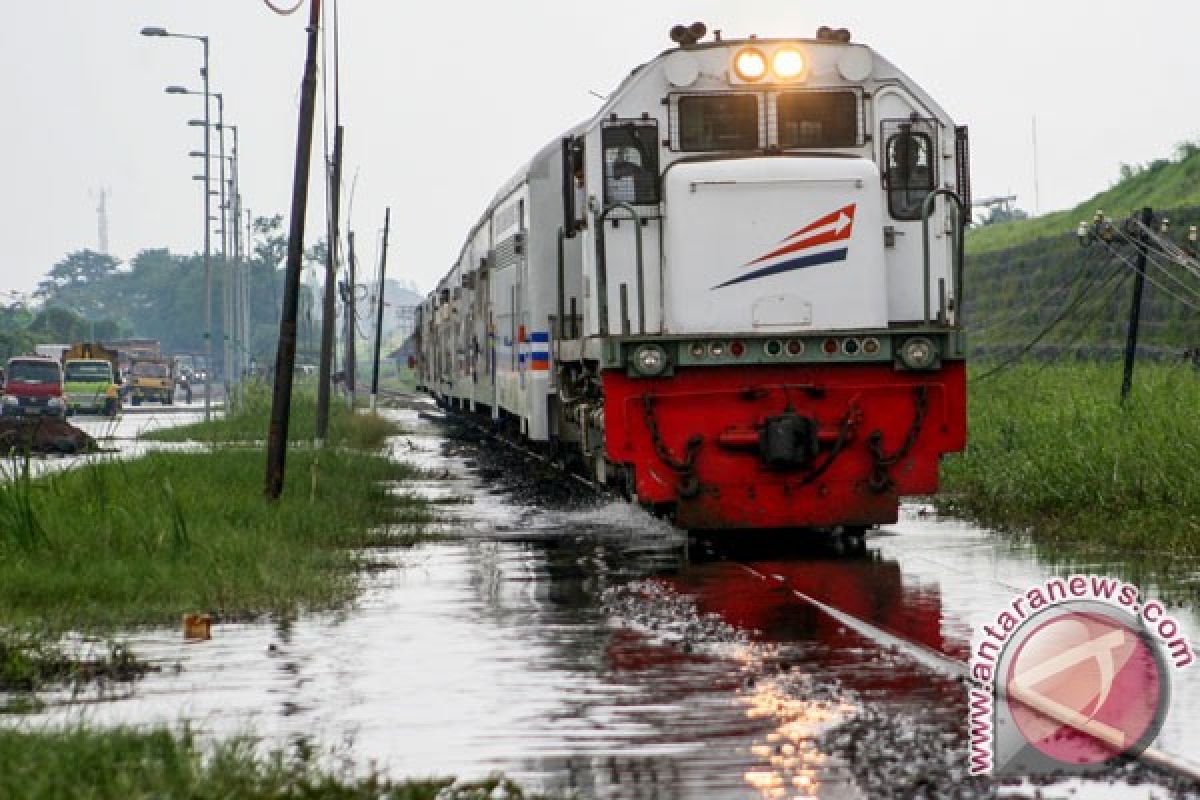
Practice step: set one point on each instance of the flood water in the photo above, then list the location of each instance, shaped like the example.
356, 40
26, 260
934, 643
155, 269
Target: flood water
576, 643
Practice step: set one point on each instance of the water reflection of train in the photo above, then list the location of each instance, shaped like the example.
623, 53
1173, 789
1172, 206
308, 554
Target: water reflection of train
869, 588
733, 293
674, 715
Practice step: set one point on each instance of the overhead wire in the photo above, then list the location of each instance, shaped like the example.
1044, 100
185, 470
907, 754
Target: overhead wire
1045, 331
284, 12
1142, 247
999, 324
1169, 247
1132, 266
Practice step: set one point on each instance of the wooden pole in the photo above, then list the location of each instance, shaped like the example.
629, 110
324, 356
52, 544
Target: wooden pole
285, 355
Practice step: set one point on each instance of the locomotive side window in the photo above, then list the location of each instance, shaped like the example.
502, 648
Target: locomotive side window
817, 119
718, 122
630, 162
909, 172
574, 191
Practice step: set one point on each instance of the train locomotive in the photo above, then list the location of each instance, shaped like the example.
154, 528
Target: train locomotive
734, 293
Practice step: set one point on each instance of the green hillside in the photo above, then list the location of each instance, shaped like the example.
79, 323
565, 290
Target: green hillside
1031, 286
1162, 184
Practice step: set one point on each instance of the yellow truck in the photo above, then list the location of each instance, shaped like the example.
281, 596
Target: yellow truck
150, 379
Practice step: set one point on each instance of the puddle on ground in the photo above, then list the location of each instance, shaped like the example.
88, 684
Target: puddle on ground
576, 643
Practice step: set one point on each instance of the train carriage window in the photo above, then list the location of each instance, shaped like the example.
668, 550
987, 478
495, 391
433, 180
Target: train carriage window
817, 119
718, 122
630, 162
909, 171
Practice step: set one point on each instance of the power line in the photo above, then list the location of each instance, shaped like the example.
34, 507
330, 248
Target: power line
1069, 309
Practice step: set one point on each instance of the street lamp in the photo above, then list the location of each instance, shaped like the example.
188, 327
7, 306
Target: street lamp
163, 32
228, 193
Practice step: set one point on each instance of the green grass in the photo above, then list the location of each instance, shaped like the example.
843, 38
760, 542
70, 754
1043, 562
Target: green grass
118, 543
1162, 184
249, 422
125, 764
1052, 451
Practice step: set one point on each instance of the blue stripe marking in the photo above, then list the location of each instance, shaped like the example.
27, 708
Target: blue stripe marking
539, 336
541, 357
787, 266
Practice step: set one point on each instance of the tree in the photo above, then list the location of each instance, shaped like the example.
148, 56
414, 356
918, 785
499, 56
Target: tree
73, 281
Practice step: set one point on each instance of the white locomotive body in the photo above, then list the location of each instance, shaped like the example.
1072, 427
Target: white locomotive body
738, 216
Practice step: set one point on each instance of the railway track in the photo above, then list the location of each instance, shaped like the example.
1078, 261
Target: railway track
927, 657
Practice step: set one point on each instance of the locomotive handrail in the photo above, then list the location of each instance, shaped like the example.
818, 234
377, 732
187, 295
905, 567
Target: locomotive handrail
926, 211
602, 268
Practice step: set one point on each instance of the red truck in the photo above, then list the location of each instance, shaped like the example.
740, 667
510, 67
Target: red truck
33, 386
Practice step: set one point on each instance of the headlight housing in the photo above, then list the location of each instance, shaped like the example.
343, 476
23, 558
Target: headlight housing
918, 353
11, 400
750, 64
650, 360
788, 64
56, 402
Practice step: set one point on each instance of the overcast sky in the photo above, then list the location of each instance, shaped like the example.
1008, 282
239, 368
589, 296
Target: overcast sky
442, 101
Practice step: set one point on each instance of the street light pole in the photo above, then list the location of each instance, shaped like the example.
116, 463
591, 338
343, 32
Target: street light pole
207, 212
235, 304
224, 246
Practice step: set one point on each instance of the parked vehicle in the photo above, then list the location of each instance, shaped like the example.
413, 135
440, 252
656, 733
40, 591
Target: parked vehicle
150, 379
33, 386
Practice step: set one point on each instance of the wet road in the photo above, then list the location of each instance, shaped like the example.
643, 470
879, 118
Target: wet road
119, 435
574, 642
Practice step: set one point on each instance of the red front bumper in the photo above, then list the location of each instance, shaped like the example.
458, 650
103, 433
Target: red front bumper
692, 440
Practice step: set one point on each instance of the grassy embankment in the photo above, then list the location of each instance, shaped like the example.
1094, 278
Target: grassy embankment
248, 423
130, 765
126, 542
1052, 451
1162, 184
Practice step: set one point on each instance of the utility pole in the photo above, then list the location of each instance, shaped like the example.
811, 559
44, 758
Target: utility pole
387, 221
351, 321
246, 285
285, 356
329, 306
1135, 308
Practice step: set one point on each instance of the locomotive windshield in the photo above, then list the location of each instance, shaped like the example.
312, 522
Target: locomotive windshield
718, 122
909, 171
817, 119
631, 162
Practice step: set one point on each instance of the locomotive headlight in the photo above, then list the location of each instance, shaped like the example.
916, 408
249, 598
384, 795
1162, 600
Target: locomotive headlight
650, 360
918, 353
788, 63
750, 64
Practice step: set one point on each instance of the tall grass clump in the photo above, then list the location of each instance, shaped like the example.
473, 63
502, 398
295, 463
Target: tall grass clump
249, 421
127, 764
175, 532
1052, 450
20, 526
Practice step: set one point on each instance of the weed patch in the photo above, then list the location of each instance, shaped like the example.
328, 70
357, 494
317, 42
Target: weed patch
119, 543
122, 764
1051, 450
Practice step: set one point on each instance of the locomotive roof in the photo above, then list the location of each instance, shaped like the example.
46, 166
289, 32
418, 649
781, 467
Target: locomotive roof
548, 150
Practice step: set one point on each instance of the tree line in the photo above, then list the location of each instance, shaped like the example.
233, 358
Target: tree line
160, 295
